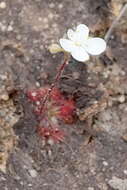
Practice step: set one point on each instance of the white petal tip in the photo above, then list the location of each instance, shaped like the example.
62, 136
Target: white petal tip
82, 27
96, 46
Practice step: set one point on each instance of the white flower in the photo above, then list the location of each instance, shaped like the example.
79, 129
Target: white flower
80, 45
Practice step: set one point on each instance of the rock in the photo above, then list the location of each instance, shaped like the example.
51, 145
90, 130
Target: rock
6, 86
10, 28
125, 172
38, 84
33, 173
124, 137
105, 163
7, 119
90, 188
118, 183
121, 99
2, 5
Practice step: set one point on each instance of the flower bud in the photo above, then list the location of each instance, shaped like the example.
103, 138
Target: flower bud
55, 48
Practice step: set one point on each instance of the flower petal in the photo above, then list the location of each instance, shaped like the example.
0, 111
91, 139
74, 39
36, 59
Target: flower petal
81, 34
95, 46
83, 29
80, 54
70, 34
67, 45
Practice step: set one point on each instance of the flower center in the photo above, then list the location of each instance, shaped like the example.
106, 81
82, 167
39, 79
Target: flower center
78, 43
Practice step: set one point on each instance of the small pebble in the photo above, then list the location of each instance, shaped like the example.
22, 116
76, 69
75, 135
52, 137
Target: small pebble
44, 75
60, 6
50, 16
3, 27
105, 163
90, 188
41, 47
2, 5
45, 20
38, 84
18, 37
3, 179
29, 185
40, 19
38, 67
106, 74
21, 182
51, 5
121, 99
124, 137
33, 173
4, 97
50, 142
125, 172
3, 77
50, 153
123, 73
10, 28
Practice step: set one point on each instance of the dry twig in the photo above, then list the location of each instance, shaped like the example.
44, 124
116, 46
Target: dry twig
115, 22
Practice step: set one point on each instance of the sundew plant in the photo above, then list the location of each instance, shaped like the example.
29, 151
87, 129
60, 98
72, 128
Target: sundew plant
50, 105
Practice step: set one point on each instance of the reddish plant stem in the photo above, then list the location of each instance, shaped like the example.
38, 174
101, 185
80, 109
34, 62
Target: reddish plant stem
57, 78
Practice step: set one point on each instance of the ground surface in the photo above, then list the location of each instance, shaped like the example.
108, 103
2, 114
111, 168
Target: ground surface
93, 156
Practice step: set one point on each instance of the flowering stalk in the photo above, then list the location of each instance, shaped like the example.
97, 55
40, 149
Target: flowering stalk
50, 105
57, 78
